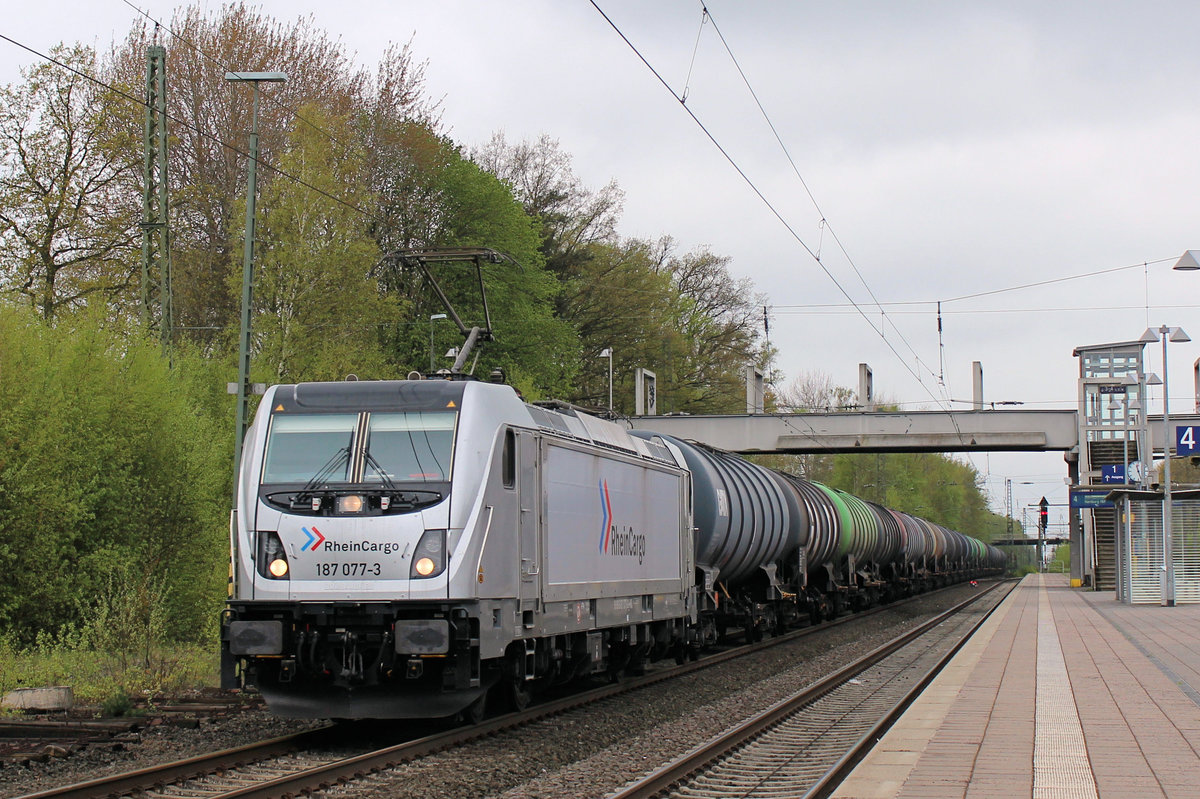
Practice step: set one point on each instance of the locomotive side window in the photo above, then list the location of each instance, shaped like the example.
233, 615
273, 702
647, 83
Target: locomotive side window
300, 446
416, 446
509, 457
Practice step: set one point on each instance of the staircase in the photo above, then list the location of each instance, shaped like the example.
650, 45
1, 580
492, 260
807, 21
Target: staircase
1104, 520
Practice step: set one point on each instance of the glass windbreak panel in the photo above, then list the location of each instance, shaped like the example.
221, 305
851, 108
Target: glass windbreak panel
410, 447
301, 446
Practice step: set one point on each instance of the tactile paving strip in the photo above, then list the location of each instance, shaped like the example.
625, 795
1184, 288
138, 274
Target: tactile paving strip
1060, 761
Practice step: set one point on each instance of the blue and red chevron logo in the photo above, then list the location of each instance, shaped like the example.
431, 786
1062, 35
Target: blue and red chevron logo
315, 539
606, 511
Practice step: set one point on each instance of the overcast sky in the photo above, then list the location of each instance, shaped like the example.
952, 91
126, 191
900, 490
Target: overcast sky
952, 149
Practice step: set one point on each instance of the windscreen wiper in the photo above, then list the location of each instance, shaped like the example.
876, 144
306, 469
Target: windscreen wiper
383, 478
323, 473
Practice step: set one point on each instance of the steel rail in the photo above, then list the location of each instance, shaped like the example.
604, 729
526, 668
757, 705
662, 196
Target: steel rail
180, 770
320, 777
700, 757
845, 764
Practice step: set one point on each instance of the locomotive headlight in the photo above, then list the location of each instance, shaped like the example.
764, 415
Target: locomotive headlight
272, 560
429, 559
351, 503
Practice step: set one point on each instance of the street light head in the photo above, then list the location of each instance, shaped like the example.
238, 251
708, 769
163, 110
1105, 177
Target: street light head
1188, 262
256, 77
1153, 380
1149, 336
1177, 335
436, 316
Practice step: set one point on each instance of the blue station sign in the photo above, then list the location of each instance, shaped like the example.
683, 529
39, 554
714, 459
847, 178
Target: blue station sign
1084, 498
1112, 473
1187, 440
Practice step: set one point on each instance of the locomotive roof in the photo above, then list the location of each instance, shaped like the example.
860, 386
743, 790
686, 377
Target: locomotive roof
435, 395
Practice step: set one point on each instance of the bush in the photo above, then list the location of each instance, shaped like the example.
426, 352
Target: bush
108, 471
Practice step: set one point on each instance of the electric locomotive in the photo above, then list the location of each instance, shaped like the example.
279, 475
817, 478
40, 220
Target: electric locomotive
400, 547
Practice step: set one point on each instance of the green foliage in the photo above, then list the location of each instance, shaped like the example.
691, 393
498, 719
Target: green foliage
107, 471
684, 317
96, 679
473, 209
117, 705
317, 312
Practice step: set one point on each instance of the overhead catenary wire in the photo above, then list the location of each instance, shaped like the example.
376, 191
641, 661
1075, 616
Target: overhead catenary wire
746, 178
824, 223
770, 206
185, 123
269, 98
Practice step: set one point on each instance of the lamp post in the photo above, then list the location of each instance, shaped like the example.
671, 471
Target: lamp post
243, 386
607, 353
1176, 334
432, 319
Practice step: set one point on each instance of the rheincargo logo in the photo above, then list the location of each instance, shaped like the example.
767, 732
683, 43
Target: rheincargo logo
618, 542
317, 540
606, 510
314, 539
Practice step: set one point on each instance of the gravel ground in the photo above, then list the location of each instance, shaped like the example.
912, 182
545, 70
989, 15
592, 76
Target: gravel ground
593, 751
587, 753
159, 742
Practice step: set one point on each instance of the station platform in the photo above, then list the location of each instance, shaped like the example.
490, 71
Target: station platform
1063, 692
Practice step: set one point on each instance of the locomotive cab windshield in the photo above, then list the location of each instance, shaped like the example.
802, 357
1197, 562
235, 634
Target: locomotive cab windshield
365, 462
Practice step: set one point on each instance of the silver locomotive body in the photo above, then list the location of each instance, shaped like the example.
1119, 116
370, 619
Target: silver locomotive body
400, 547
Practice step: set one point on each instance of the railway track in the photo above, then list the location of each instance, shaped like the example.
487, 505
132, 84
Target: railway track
804, 744
305, 762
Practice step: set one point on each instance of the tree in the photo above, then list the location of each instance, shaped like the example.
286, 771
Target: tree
719, 317
620, 299
572, 217
685, 317
112, 475
210, 123
318, 312
68, 228
460, 205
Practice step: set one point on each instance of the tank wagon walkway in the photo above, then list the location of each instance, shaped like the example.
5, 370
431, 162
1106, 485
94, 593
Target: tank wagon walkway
1061, 693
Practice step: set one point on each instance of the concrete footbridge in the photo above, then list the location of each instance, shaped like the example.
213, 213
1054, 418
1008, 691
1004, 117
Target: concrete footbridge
880, 431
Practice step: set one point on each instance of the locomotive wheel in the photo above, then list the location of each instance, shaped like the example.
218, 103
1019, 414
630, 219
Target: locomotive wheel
517, 693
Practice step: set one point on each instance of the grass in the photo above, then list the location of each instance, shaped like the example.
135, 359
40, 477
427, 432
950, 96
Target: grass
103, 678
